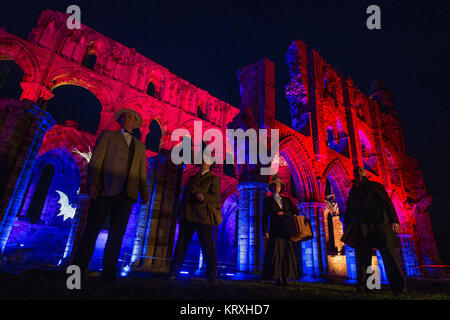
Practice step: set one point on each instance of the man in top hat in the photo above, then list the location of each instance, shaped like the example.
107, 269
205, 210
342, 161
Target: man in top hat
370, 210
116, 174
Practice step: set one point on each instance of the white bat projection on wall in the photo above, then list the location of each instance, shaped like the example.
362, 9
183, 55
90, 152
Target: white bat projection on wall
67, 211
85, 155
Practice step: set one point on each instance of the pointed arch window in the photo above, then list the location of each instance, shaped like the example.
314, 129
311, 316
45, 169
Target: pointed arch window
40, 193
151, 89
89, 61
153, 138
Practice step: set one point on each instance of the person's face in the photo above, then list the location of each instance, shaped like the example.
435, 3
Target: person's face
359, 173
276, 187
205, 166
128, 121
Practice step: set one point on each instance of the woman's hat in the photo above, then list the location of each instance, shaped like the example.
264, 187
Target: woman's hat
118, 113
275, 179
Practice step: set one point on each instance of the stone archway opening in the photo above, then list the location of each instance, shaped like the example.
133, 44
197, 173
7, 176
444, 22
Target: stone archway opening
77, 104
153, 138
40, 232
11, 75
334, 229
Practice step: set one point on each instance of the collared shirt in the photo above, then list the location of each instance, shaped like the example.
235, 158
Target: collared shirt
205, 172
278, 199
127, 136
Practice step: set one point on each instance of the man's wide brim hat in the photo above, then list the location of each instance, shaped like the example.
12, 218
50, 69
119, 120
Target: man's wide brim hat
274, 180
118, 113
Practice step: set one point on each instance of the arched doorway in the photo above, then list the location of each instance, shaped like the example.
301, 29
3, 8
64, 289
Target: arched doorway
40, 231
340, 257
295, 165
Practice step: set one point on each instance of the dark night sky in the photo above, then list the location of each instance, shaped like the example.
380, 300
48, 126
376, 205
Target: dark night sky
205, 43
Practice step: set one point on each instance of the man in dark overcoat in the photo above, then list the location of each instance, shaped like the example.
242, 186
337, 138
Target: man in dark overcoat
376, 224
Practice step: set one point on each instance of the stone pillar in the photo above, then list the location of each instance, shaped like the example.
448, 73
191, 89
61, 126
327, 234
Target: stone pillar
257, 87
22, 131
314, 251
77, 227
350, 115
250, 243
154, 242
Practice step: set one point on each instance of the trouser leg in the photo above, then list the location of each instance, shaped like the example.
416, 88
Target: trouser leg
184, 238
363, 256
120, 215
205, 237
393, 269
98, 210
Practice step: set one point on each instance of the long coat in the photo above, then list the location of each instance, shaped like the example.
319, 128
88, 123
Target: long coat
371, 210
205, 212
280, 260
107, 169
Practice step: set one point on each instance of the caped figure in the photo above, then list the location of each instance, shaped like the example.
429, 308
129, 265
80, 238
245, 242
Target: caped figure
199, 210
280, 260
116, 174
372, 217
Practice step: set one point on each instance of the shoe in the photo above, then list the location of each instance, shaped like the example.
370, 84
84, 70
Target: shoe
285, 282
278, 283
361, 290
108, 279
402, 293
212, 281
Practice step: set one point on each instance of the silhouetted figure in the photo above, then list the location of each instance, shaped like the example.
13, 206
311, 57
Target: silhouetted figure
373, 215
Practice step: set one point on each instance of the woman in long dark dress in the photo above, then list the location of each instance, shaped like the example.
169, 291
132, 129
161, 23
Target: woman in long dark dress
280, 260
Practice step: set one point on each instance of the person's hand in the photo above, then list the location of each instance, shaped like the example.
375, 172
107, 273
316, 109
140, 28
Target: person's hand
145, 198
93, 192
266, 235
280, 213
396, 228
199, 196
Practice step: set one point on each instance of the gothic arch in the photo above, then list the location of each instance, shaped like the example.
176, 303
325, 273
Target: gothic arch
423, 204
66, 178
15, 50
157, 77
72, 141
339, 179
299, 163
188, 103
88, 80
150, 111
229, 190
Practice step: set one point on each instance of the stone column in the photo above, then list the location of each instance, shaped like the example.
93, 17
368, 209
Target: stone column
250, 243
155, 232
22, 131
77, 227
314, 254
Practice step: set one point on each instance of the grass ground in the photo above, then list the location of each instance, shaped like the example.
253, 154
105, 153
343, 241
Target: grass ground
52, 285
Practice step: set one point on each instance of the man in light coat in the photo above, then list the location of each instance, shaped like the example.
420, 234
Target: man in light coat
116, 174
